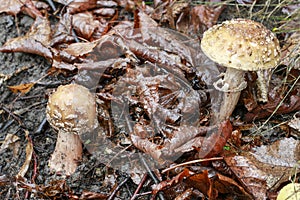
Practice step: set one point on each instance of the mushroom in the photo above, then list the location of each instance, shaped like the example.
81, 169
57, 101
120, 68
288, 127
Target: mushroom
240, 45
72, 111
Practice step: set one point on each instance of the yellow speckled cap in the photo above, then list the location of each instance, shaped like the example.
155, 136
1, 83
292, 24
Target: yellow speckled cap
241, 44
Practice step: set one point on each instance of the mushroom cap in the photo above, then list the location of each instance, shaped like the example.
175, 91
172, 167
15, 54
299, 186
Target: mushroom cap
72, 108
241, 44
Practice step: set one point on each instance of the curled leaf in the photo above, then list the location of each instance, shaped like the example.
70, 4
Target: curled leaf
23, 88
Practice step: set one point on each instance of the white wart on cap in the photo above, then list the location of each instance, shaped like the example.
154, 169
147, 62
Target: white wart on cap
241, 44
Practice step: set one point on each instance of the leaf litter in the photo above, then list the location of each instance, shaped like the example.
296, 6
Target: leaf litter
166, 77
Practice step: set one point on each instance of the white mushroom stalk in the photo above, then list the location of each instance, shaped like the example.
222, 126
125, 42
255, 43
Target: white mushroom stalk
241, 45
72, 111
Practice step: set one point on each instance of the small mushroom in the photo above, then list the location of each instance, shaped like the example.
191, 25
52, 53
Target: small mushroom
240, 45
71, 110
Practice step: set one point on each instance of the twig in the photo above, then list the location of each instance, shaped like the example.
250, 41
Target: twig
112, 195
151, 174
135, 194
41, 126
191, 162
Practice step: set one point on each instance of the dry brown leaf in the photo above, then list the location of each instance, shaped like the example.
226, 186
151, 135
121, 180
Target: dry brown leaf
76, 6
10, 139
23, 88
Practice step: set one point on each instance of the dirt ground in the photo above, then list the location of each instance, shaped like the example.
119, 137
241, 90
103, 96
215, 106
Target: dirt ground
24, 117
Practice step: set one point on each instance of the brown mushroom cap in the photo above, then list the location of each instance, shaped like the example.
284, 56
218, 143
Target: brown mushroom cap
72, 108
241, 44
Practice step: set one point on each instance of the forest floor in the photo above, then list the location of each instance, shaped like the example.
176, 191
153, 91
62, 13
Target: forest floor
258, 157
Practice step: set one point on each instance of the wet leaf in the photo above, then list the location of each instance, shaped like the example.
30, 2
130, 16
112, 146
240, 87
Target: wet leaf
62, 32
284, 152
76, 6
23, 88
291, 104
55, 189
80, 49
12, 7
248, 174
36, 41
291, 51
205, 16
85, 24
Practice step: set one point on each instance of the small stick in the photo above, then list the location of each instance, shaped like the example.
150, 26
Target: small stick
135, 194
112, 195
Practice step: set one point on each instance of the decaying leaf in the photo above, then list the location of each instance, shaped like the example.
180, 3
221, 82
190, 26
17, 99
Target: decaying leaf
291, 51
205, 16
85, 24
267, 167
10, 139
23, 88
251, 177
284, 152
29, 151
80, 49
12, 7
62, 32
36, 41
291, 104
295, 123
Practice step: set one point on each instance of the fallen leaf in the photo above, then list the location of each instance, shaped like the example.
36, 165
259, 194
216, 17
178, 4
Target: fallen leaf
62, 32
247, 173
36, 41
295, 123
9, 140
80, 48
23, 88
283, 152
85, 25
291, 51
29, 152
12, 7
205, 16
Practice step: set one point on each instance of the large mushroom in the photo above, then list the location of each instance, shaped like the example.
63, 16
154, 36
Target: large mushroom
240, 45
71, 110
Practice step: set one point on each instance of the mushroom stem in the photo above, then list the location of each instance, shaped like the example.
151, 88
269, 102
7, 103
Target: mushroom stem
68, 151
233, 84
262, 82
